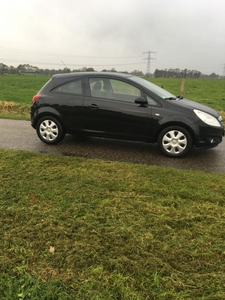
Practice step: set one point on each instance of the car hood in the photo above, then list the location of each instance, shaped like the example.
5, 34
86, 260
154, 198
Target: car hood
195, 105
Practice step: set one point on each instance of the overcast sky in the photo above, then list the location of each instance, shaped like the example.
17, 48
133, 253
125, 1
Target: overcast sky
103, 34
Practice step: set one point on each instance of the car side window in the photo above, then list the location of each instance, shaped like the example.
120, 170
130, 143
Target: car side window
151, 101
124, 91
71, 87
113, 89
97, 87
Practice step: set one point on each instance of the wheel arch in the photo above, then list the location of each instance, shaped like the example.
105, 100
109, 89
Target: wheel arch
180, 124
51, 113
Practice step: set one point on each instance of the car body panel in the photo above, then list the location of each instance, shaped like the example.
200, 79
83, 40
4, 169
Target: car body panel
195, 105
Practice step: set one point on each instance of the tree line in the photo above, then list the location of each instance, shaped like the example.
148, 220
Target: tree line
27, 68
177, 73
165, 73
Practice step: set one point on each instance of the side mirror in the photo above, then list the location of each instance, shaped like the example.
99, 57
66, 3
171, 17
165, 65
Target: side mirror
141, 101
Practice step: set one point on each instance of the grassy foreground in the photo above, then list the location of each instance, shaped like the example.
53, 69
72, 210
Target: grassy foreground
73, 228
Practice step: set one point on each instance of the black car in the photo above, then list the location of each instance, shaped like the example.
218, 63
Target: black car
122, 106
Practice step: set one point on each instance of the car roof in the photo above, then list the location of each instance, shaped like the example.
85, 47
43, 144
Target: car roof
83, 74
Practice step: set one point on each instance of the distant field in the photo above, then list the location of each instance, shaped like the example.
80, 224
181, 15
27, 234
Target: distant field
21, 89
210, 92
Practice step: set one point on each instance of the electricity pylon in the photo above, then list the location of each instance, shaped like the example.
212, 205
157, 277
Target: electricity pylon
148, 58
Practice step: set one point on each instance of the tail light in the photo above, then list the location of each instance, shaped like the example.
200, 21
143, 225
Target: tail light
35, 98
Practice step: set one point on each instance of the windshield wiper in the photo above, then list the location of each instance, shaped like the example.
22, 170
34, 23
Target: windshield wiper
174, 98
170, 98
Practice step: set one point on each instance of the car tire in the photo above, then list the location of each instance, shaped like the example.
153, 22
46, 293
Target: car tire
50, 130
174, 141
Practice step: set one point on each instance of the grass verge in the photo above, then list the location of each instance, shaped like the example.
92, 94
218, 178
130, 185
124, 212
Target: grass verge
12, 110
73, 228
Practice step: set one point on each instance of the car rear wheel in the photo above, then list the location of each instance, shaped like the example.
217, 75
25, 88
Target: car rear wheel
49, 130
175, 141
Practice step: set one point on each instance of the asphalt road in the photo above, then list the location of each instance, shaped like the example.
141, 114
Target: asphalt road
19, 135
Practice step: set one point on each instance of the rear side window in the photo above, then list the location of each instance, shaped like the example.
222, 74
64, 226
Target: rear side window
71, 87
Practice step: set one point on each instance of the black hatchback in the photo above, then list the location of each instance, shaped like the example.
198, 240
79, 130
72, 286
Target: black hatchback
122, 106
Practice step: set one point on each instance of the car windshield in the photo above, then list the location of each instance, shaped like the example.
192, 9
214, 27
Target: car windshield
152, 87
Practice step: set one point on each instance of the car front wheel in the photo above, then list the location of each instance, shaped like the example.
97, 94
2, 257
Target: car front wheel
175, 141
49, 130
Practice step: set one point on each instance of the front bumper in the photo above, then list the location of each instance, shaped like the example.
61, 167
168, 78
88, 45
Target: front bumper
208, 136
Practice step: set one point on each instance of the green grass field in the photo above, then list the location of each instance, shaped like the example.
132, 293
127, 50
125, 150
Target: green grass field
21, 89
16, 92
75, 228
210, 92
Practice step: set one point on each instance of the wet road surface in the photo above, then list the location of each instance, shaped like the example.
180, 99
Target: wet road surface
19, 135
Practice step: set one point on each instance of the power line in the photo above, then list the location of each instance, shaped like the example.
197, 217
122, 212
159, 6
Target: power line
71, 64
63, 54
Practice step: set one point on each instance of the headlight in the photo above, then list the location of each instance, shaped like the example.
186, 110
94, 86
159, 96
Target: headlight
207, 118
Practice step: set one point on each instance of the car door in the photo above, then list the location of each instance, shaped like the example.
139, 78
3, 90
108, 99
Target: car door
110, 109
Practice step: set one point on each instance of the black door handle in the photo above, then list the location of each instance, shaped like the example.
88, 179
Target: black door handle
93, 106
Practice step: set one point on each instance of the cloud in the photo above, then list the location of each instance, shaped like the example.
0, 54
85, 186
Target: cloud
185, 34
